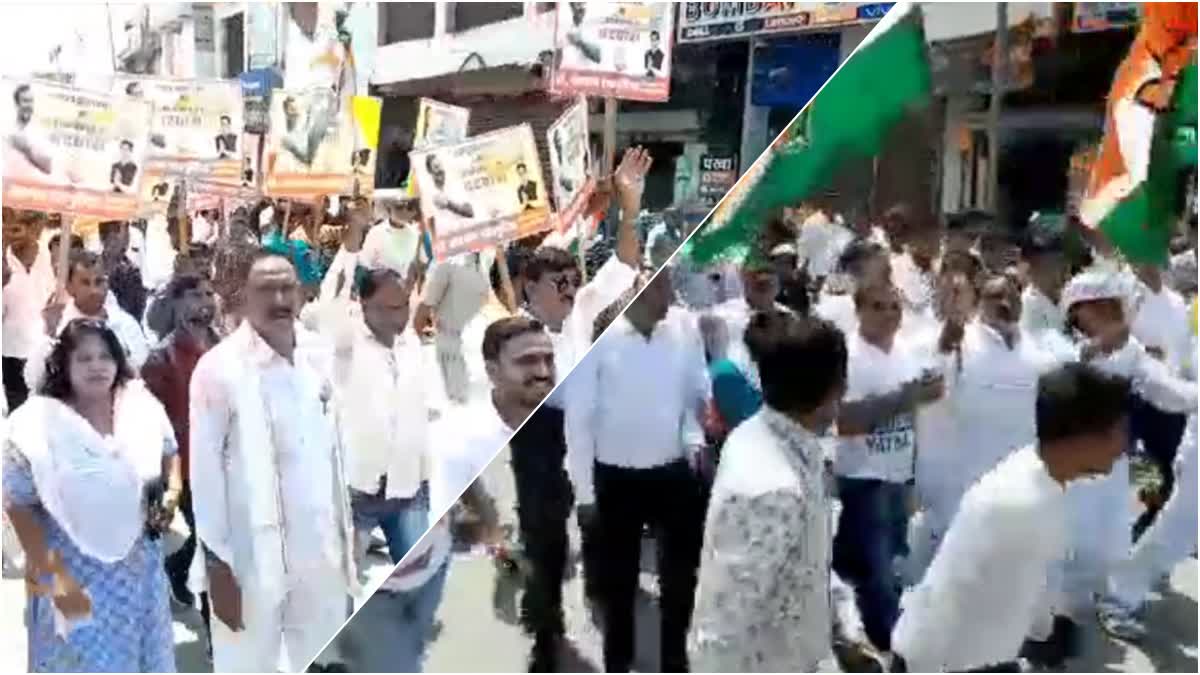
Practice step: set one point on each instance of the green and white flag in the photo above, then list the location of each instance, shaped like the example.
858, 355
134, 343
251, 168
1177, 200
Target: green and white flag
849, 118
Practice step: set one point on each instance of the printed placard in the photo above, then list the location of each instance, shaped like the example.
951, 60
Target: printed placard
197, 124
72, 151
483, 191
571, 163
313, 144
440, 124
621, 49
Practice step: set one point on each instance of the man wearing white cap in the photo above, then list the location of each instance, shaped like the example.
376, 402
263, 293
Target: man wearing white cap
1096, 303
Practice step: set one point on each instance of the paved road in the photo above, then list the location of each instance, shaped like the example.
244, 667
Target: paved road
478, 629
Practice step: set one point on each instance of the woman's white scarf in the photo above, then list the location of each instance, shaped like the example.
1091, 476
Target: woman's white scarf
90, 485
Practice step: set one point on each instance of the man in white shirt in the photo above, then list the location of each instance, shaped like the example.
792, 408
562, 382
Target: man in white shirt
552, 283
913, 268
87, 288
396, 242
24, 298
452, 295
1160, 323
862, 259
990, 584
1097, 302
760, 285
380, 399
268, 483
1167, 541
1048, 273
874, 460
634, 436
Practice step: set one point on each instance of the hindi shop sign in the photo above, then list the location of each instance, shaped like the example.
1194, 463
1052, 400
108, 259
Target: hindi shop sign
718, 173
72, 151
570, 163
621, 50
702, 21
484, 191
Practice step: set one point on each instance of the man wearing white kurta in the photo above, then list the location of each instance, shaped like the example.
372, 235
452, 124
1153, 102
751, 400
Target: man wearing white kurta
993, 392
1171, 538
984, 594
1097, 303
380, 398
268, 485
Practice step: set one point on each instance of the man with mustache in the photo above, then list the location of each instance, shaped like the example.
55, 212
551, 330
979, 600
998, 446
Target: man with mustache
988, 586
993, 366
519, 359
268, 483
636, 440
168, 372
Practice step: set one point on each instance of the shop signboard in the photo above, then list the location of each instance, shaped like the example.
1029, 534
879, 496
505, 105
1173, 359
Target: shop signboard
702, 21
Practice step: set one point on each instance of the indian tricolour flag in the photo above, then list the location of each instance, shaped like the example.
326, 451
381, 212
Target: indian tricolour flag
849, 118
1149, 137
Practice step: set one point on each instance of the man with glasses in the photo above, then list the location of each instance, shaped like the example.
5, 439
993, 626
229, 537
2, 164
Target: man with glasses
554, 294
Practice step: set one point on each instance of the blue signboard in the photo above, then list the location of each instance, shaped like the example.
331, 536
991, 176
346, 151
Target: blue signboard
789, 71
257, 85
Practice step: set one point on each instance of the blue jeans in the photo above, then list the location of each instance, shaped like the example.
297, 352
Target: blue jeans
391, 632
872, 532
403, 521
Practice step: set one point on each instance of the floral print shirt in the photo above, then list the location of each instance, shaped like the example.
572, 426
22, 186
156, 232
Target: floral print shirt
763, 598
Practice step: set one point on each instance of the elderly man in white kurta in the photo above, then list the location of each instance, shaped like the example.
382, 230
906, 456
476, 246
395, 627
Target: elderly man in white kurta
268, 484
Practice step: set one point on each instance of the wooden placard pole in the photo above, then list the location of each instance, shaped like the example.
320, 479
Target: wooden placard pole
181, 220
66, 231
509, 298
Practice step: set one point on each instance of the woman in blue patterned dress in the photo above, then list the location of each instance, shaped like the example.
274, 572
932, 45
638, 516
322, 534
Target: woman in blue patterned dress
84, 472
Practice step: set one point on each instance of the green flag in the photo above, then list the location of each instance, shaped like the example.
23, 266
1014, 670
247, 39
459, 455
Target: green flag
849, 118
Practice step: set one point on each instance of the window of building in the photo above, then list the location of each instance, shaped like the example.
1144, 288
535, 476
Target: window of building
463, 16
403, 21
233, 51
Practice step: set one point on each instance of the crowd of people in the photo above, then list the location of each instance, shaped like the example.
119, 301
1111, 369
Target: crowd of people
262, 378
911, 451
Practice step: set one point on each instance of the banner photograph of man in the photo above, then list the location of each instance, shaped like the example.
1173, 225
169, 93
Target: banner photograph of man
227, 140
527, 189
124, 170
24, 142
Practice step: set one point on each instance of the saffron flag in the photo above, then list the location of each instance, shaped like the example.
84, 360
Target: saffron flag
1149, 137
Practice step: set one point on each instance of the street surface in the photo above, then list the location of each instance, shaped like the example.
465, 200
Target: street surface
478, 629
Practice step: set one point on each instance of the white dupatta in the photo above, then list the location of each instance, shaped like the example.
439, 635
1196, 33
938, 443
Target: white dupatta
92, 485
